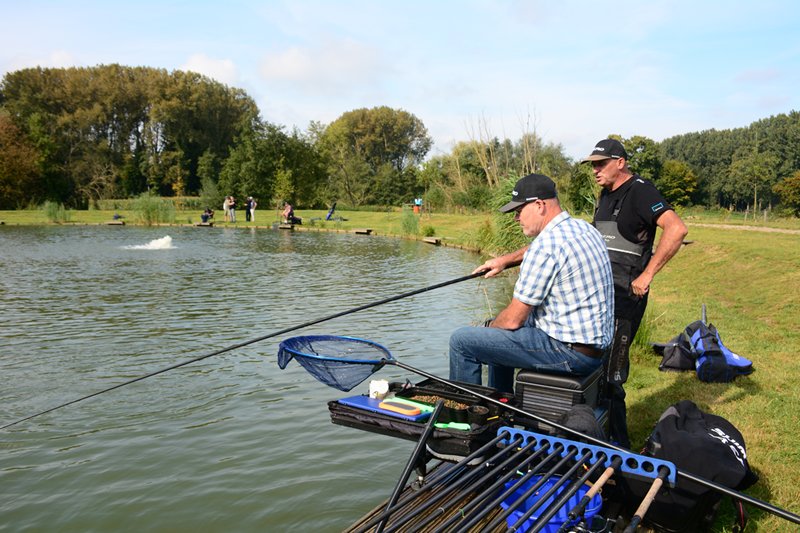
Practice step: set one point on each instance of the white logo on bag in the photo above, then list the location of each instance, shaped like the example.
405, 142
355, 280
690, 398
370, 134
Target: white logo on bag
736, 448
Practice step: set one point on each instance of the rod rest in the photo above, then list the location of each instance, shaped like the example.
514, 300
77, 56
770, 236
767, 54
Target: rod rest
633, 464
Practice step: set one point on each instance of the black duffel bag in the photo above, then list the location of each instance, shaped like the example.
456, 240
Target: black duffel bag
702, 444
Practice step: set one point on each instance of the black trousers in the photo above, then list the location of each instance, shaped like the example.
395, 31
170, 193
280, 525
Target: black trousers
629, 311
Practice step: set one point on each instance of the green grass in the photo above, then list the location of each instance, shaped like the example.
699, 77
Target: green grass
749, 282
453, 229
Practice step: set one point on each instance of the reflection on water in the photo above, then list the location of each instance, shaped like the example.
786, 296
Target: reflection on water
230, 442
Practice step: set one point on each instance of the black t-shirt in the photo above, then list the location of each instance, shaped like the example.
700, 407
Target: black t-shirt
642, 206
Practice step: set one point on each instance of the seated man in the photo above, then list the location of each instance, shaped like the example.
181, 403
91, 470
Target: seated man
288, 213
561, 318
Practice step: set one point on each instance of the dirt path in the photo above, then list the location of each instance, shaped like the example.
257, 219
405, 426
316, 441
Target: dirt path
745, 228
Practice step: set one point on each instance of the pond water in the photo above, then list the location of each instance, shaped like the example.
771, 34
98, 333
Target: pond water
229, 443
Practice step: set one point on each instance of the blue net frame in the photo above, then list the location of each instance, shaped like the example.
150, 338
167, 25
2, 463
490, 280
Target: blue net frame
337, 361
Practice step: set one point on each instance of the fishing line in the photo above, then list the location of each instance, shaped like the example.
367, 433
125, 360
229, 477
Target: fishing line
253, 341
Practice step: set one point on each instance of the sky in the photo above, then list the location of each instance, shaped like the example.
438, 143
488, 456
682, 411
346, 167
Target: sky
572, 72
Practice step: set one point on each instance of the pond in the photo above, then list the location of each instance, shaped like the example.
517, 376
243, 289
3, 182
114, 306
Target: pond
230, 442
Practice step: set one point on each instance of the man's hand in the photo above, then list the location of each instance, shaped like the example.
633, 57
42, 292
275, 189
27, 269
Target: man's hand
492, 267
497, 264
641, 285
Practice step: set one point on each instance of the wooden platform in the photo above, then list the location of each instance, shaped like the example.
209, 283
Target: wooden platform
115, 223
436, 241
363, 231
205, 224
286, 226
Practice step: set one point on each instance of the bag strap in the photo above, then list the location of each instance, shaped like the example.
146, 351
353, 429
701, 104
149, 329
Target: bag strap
740, 516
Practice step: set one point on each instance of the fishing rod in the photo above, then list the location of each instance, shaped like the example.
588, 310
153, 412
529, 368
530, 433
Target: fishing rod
372, 356
253, 341
755, 502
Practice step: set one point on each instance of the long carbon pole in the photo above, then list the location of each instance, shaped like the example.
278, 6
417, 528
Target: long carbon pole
253, 341
755, 502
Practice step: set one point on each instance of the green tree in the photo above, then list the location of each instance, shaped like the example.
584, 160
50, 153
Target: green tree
19, 166
120, 130
788, 190
368, 149
750, 177
677, 182
643, 157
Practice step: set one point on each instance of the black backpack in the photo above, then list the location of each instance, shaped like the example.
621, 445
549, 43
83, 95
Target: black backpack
702, 444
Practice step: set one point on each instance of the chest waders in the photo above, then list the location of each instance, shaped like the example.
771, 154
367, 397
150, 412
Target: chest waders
628, 260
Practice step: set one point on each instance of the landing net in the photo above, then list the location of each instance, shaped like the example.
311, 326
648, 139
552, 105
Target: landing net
337, 361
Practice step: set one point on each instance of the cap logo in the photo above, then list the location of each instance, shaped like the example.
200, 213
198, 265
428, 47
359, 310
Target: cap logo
514, 193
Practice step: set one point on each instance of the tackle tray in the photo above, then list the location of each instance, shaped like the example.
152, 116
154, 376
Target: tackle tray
443, 442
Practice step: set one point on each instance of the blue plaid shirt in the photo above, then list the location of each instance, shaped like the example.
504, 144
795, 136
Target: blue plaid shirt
566, 276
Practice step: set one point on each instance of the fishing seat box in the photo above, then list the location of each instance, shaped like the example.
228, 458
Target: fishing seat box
551, 396
444, 442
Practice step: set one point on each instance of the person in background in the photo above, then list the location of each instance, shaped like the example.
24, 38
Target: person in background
226, 208
561, 317
207, 215
627, 215
251, 209
247, 208
288, 213
232, 208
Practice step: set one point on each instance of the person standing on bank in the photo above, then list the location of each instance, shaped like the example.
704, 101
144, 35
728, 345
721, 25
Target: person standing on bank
561, 317
252, 208
627, 215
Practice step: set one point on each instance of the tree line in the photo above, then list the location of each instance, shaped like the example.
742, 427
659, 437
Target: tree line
79, 135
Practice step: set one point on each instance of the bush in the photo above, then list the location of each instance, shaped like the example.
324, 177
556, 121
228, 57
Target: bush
154, 210
409, 222
55, 212
428, 231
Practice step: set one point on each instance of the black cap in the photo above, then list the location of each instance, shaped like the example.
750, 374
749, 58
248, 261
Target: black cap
607, 149
529, 189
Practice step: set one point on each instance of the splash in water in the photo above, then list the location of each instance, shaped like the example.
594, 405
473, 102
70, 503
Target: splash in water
164, 243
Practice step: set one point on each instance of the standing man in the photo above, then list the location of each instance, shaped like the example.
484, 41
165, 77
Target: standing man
252, 208
561, 318
628, 212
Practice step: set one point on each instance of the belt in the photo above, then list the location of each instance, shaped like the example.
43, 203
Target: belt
586, 349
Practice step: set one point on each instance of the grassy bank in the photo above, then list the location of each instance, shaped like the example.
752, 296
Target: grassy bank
455, 229
748, 281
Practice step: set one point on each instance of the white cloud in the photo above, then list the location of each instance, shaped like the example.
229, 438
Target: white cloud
222, 70
55, 59
331, 66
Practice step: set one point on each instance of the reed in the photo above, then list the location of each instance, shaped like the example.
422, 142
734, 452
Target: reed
55, 212
152, 210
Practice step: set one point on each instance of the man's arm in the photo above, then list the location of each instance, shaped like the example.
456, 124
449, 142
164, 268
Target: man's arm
673, 232
497, 264
513, 316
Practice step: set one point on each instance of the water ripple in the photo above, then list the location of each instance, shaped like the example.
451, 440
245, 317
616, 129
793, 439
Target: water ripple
228, 443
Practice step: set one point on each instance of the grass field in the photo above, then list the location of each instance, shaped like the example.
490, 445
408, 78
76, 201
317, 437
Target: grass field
749, 282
